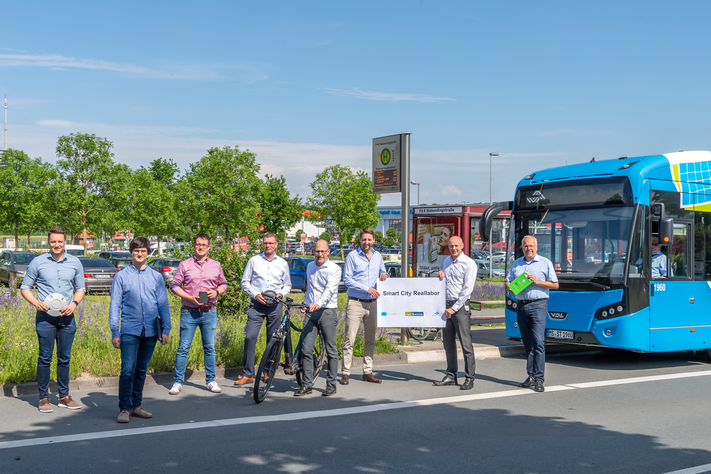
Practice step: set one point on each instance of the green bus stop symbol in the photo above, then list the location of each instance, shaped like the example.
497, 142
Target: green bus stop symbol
385, 156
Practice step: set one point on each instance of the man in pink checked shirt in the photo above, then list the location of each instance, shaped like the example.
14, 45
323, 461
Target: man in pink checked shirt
198, 274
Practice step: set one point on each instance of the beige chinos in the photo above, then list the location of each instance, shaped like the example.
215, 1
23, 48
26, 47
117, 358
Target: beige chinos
367, 313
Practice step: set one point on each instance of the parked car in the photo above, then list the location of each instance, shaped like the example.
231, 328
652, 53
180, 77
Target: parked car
116, 254
341, 285
13, 266
394, 269
98, 274
483, 269
297, 271
498, 257
479, 255
166, 267
120, 263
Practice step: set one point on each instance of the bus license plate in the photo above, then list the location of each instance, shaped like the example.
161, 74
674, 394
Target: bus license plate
556, 334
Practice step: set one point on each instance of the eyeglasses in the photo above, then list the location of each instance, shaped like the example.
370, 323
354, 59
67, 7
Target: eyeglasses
201, 246
140, 251
270, 243
320, 251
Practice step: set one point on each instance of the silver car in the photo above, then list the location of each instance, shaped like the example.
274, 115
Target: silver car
483, 269
166, 267
13, 265
98, 274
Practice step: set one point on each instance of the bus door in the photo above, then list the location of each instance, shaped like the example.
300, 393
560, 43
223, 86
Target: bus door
674, 301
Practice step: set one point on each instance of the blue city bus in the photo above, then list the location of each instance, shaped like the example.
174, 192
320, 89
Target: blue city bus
596, 222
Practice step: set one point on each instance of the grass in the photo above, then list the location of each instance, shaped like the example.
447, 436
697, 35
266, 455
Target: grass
93, 354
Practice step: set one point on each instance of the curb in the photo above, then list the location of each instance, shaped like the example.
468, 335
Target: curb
197, 377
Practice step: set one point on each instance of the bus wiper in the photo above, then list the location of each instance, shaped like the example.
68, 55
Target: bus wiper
585, 281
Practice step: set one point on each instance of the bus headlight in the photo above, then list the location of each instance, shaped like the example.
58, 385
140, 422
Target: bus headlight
611, 311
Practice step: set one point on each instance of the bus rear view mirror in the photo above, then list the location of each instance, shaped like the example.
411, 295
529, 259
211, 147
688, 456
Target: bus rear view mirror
666, 232
487, 217
657, 211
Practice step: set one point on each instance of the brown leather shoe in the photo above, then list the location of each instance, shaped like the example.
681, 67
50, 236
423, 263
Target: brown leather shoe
371, 378
44, 406
344, 379
244, 380
67, 402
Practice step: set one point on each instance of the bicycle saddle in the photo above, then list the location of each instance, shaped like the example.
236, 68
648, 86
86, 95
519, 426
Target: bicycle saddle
270, 297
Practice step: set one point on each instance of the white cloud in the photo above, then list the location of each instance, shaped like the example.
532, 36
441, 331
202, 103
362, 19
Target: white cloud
449, 190
386, 96
249, 71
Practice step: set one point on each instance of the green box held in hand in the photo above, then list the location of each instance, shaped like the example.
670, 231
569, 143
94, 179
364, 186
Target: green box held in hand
519, 284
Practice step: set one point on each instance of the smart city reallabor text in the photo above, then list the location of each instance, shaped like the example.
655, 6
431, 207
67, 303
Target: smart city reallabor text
410, 293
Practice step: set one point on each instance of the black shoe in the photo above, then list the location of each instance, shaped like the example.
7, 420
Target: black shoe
528, 383
303, 391
539, 386
447, 380
468, 384
330, 390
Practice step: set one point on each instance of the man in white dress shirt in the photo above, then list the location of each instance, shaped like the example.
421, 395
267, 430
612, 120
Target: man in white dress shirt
323, 277
460, 274
266, 271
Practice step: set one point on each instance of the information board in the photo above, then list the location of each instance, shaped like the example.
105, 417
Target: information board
387, 157
411, 303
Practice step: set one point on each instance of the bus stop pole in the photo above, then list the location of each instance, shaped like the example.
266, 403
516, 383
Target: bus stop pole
405, 213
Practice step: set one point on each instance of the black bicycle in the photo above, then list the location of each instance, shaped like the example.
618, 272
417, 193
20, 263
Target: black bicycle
271, 359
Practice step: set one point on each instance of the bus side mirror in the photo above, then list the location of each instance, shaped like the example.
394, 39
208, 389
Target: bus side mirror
657, 212
666, 232
487, 217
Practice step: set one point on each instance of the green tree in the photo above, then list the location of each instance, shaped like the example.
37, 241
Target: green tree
164, 172
391, 233
325, 235
344, 197
152, 204
87, 181
222, 191
389, 241
379, 237
298, 235
22, 200
279, 210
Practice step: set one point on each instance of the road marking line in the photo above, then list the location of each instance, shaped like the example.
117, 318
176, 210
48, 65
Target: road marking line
308, 415
693, 470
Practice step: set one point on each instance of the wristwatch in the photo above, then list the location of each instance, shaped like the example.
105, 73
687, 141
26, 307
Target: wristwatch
76, 303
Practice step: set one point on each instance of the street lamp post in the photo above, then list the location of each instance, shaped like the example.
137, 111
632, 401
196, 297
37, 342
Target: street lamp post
491, 248
418, 191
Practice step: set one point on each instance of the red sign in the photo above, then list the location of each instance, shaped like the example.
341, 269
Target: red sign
303, 237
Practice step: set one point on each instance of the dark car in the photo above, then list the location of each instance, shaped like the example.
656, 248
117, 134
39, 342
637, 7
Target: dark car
341, 285
98, 274
166, 267
297, 271
13, 266
117, 254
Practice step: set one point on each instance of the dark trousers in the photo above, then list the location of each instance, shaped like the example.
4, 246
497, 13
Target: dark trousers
531, 319
50, 329
136, 353
255, 319
459, 325
326, 320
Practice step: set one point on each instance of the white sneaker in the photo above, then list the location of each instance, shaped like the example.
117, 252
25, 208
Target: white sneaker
213, 387
176, 389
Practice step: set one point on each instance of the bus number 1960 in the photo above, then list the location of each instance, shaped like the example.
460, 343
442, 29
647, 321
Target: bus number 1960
660, 287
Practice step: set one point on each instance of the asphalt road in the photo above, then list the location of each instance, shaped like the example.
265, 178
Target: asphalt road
606, 411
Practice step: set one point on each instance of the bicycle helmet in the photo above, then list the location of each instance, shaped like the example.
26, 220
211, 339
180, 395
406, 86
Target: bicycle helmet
270, 297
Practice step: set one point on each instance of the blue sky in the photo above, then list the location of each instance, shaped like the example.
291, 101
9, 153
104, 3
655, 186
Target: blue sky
309, 84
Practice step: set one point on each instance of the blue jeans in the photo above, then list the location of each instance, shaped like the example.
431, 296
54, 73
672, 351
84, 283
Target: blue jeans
189, 322
326, 320
136, 353
49, 329
532, 324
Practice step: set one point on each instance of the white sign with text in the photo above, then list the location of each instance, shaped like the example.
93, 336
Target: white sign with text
411, 302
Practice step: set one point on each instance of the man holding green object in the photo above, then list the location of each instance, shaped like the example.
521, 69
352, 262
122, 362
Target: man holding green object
532, 308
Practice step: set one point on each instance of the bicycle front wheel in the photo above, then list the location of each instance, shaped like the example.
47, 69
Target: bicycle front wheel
319, 353
267, 368
420, 333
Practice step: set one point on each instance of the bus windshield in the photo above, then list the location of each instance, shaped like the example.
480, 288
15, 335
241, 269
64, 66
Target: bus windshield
587, 246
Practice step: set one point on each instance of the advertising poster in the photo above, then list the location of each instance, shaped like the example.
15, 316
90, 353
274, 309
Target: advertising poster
411, 302
433, 241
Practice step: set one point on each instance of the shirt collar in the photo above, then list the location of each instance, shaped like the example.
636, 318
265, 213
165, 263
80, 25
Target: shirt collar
64, 257
145, 267
196, 261
265, 257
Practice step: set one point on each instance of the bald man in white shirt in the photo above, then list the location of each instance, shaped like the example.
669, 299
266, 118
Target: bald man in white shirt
459, 271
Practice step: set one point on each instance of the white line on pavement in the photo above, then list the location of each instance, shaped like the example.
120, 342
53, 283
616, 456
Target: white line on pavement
693, 470
340, 412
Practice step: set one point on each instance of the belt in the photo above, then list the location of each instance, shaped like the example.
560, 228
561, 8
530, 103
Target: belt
361, 299
530, 301
202, 310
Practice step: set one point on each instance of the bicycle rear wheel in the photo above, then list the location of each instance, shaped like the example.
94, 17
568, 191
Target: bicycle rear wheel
319, 353
267, 368
420, 333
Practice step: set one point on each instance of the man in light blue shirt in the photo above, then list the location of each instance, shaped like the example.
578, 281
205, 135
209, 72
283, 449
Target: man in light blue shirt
54, 272
659, 260
532, 308
362, 270
138, 299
